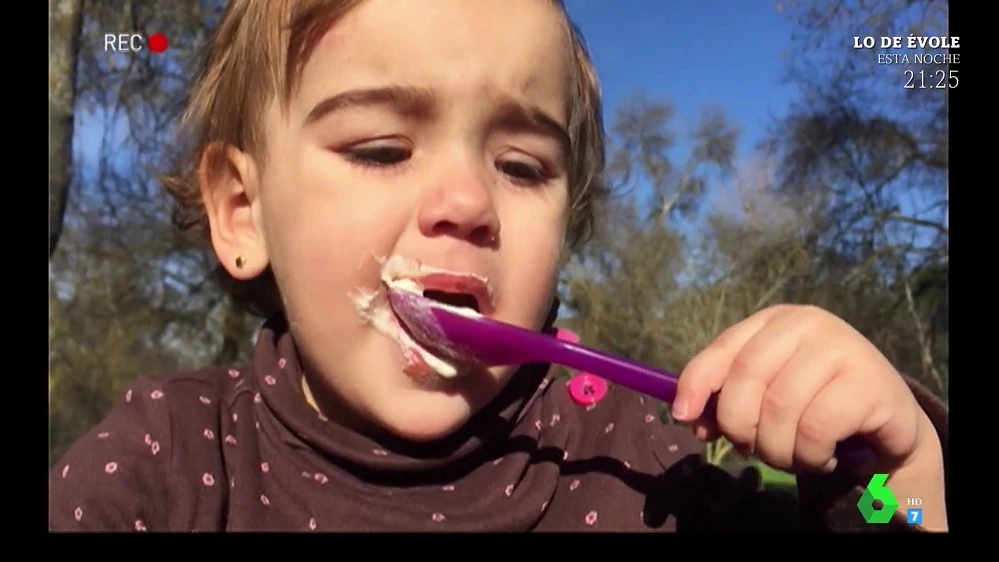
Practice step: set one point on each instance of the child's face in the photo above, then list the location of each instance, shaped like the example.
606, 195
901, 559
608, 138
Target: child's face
454, 164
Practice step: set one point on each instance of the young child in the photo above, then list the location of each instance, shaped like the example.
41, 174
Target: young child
340, 141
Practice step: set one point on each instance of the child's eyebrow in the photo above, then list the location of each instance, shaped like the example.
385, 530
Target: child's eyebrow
408, 100
510, 114
517, 116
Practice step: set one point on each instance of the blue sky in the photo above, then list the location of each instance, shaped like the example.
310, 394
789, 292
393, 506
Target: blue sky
691, 53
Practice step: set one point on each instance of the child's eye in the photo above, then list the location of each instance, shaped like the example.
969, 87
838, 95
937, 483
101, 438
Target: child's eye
378, 155
522, 172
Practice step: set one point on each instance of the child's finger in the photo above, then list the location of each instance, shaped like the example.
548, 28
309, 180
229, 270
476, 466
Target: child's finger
752, 370
802, 378
825, 422
706, 372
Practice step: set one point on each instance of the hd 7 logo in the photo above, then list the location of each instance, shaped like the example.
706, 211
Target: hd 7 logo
134, 42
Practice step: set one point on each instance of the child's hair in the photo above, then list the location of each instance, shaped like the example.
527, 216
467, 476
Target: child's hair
257, 54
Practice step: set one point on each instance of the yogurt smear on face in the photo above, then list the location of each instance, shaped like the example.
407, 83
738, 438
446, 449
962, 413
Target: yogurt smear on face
372, 306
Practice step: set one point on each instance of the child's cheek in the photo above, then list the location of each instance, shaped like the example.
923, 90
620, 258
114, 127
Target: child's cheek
320, 259
530, 271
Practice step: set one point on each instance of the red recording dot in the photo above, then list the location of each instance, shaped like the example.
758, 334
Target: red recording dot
158, 42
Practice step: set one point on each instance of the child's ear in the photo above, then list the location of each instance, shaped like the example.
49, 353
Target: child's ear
230, 192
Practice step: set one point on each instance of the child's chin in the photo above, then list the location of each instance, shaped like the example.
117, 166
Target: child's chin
422, 420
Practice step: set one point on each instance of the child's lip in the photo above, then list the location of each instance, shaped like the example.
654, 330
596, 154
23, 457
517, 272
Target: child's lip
436, 278
459, 283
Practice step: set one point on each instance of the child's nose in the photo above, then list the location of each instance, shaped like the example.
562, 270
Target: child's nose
461, 208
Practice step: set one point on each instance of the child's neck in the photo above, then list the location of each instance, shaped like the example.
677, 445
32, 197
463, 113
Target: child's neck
332, 411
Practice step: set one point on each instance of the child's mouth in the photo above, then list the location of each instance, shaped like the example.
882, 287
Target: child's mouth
466, 292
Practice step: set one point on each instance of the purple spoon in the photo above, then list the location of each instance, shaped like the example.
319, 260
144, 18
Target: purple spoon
490, 342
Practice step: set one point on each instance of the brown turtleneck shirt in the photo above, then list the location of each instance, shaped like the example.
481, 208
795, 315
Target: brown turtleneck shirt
241, 450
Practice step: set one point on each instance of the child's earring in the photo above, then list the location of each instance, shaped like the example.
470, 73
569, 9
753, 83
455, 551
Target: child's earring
240, 262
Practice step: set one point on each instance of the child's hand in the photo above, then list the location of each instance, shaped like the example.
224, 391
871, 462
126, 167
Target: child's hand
795, 380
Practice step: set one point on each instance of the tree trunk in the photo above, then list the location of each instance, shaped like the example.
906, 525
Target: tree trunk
65, 20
